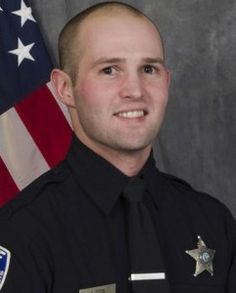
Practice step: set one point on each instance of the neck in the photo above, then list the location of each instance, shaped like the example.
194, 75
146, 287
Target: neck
128, 162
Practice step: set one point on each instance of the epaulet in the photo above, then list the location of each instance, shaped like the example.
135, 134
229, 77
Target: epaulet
177, 181
34, 190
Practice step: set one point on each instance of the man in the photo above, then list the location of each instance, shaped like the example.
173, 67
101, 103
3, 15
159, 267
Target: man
74, 229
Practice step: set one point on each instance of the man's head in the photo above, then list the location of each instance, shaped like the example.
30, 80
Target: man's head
113, 78
69, 43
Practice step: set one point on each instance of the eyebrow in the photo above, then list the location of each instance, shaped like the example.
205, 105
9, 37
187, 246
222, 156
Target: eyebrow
154, 60
149, 60
105, 60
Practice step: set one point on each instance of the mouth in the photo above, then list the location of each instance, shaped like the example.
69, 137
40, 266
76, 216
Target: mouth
131, 114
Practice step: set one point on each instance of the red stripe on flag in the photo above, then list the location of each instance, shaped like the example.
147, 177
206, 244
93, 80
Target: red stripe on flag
46, 123
8, 188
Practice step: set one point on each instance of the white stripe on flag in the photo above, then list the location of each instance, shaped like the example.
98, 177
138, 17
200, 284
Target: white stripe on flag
19, 152
147, 276
63, 108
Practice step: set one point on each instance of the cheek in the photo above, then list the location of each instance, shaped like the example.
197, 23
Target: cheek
94, 95
87, 94
159, 93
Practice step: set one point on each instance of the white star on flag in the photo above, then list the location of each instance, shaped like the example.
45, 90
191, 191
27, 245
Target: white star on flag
25, 13
1, 8
23, 52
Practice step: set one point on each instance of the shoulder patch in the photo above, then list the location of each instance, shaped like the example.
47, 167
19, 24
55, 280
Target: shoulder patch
5, 256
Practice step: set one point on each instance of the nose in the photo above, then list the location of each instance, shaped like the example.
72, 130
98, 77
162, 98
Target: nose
132, 87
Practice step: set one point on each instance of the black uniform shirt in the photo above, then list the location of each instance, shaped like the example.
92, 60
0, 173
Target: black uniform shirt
67, 230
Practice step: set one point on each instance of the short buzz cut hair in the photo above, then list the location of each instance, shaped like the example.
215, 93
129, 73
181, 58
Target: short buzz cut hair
68, 53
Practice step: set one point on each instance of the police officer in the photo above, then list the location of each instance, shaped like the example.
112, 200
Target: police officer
106, 219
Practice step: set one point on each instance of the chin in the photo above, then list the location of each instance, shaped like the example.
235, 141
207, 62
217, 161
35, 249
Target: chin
138, 142
133, 147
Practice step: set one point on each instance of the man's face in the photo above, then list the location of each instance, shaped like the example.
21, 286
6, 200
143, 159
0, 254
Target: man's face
121, 88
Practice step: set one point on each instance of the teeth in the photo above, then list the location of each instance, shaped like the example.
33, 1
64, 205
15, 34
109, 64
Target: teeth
131, 114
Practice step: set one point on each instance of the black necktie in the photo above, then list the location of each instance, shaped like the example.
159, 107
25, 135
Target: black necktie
147, 269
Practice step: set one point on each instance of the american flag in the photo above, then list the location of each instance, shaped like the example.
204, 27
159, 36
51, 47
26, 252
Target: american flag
35, 130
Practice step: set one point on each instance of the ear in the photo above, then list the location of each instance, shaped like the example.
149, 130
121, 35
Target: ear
168, 77
63, 86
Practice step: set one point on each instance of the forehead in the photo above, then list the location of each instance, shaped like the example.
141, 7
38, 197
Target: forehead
114, 34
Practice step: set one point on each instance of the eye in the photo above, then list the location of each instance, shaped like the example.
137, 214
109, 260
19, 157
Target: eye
149, 69
108, 70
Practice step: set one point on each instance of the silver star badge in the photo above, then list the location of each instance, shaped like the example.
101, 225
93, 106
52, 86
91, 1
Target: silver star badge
203, 257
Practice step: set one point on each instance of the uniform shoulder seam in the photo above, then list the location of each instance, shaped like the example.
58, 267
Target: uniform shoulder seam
177, 181
33, 190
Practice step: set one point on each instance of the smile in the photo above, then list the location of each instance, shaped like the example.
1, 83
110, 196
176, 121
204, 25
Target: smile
131, 114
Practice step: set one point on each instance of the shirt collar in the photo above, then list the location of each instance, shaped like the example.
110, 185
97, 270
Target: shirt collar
99, 179
103, 182
155, 181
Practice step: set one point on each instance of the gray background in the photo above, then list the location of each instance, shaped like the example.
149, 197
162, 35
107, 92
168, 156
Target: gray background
197, 141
